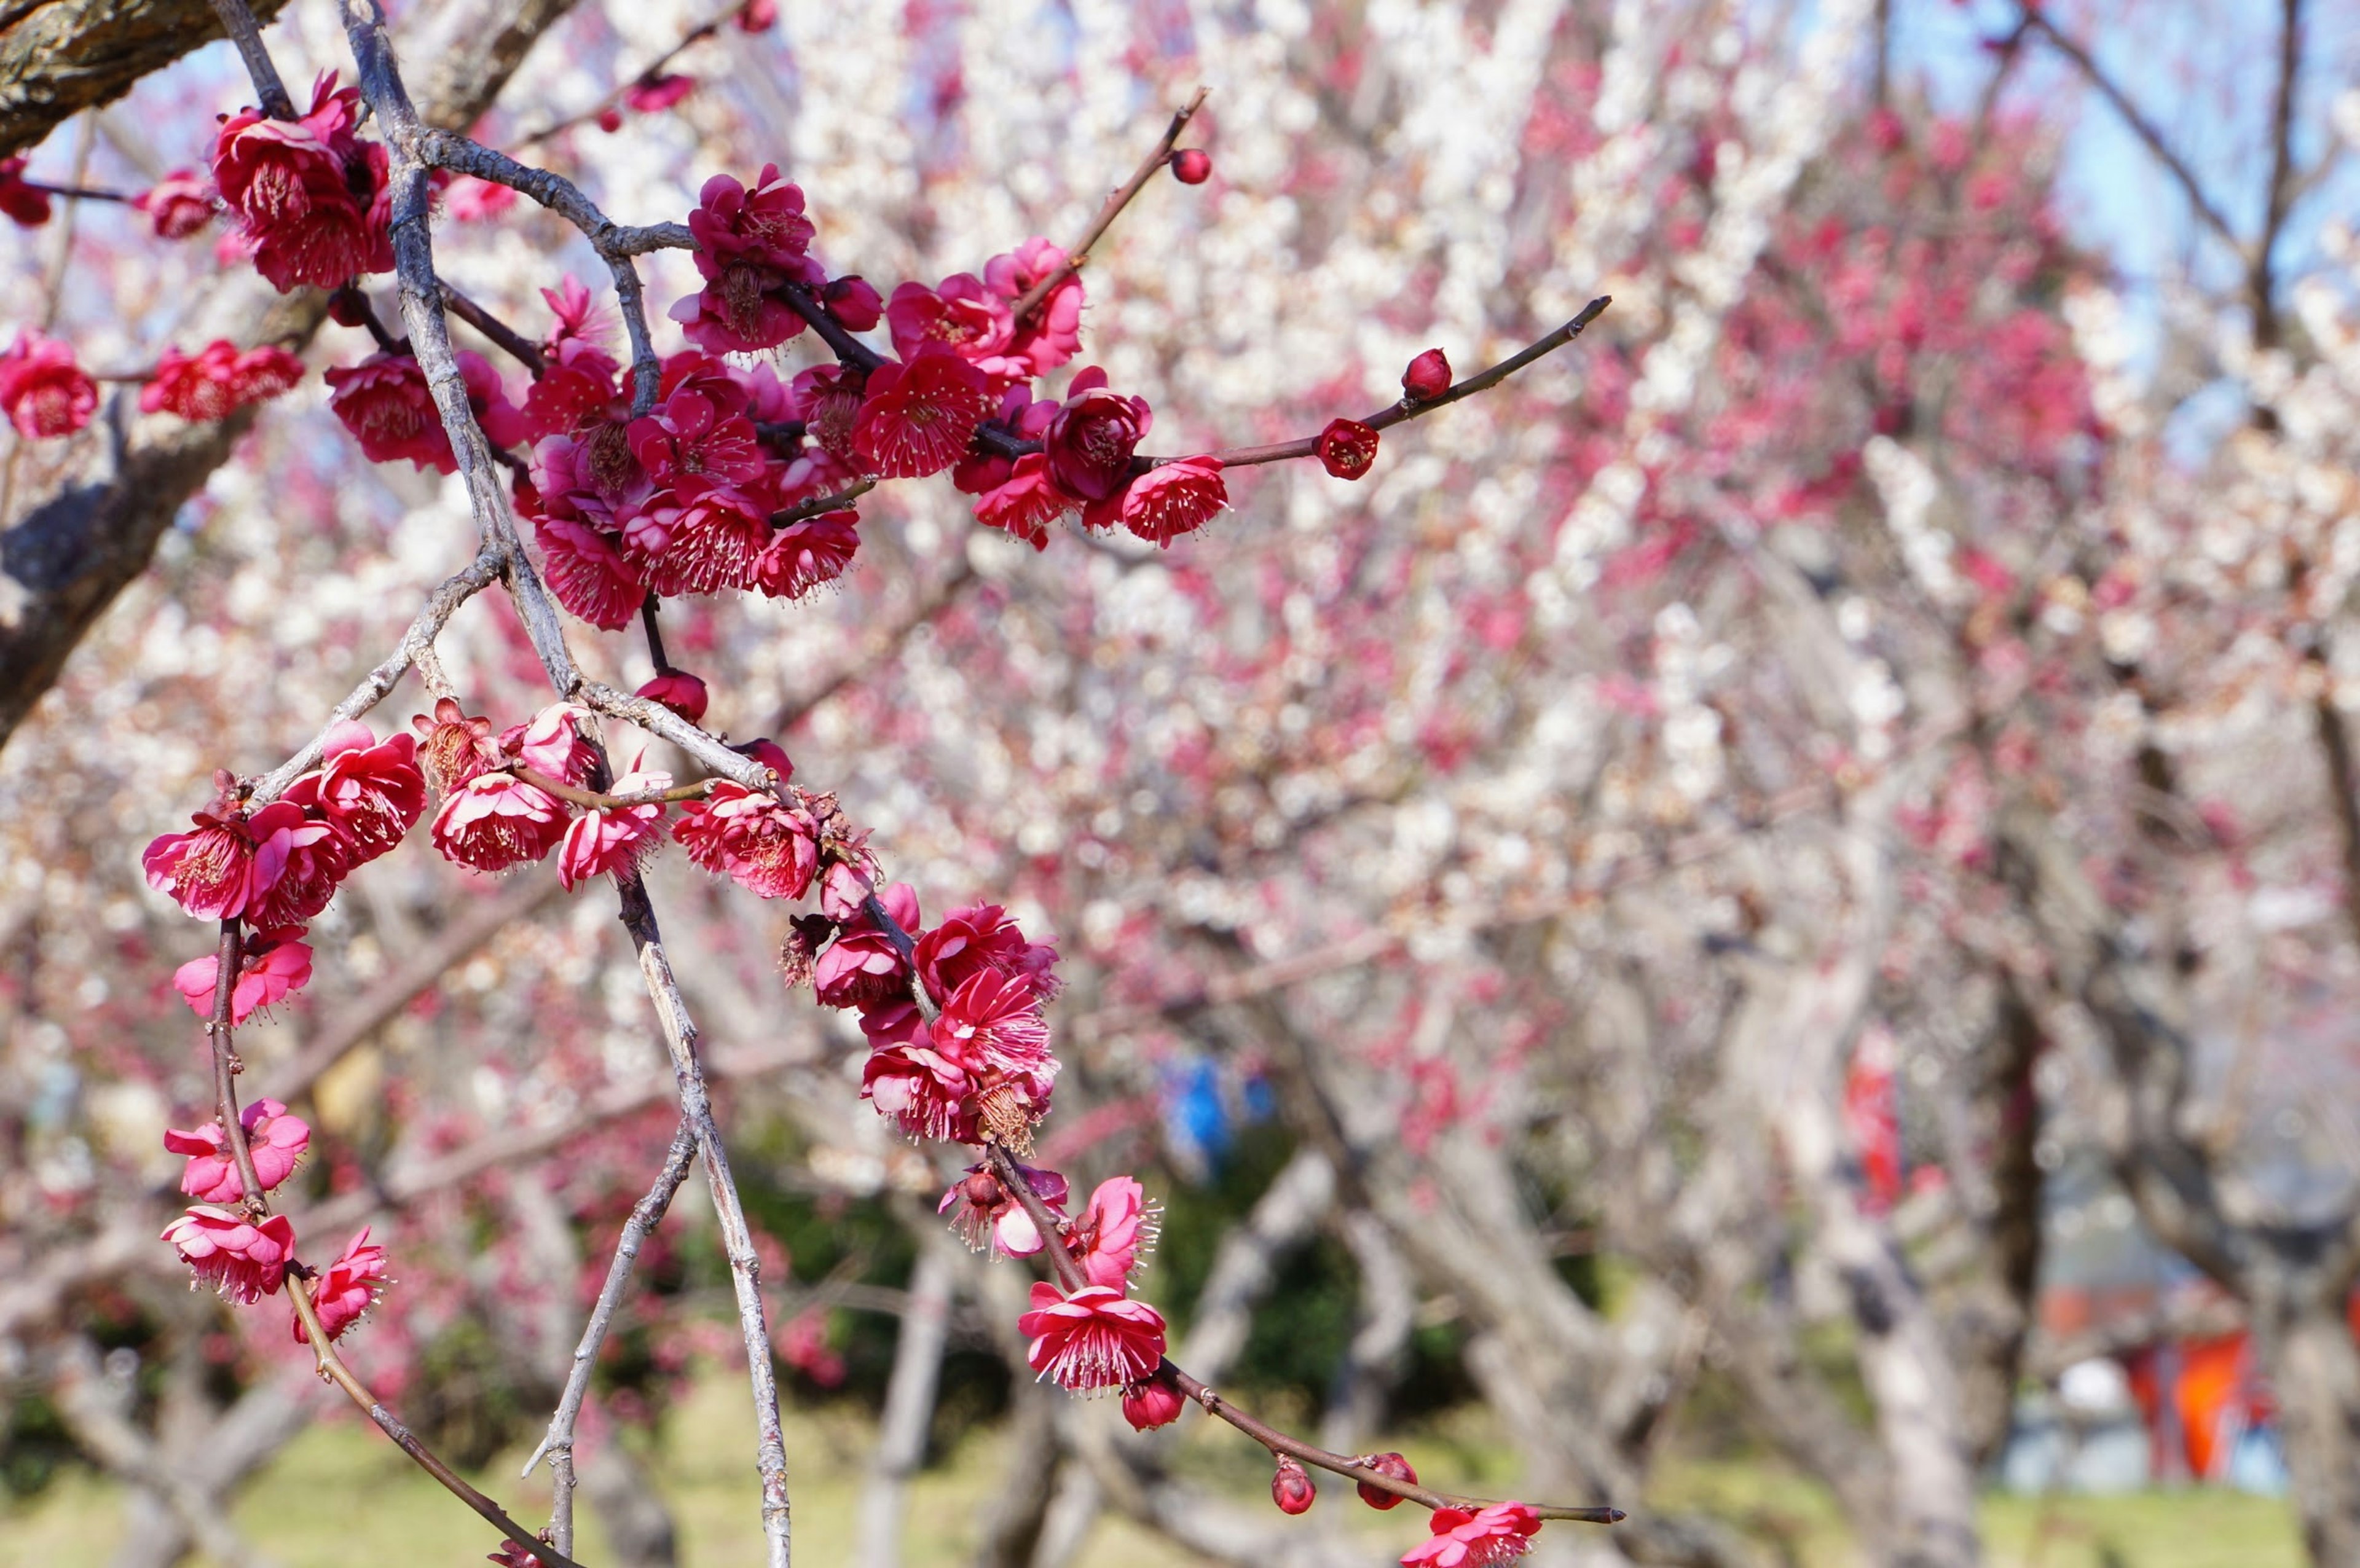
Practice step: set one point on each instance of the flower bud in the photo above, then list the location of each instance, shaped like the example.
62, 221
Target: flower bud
1152, 1403
1192, 165
1291, 1487
610, 120
854, 302
1391, 1465
1428, 377
348, 308
772, 754
1346, 448
681, 693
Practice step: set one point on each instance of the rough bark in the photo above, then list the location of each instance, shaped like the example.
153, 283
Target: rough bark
2315, 1372
65, 56
66, 558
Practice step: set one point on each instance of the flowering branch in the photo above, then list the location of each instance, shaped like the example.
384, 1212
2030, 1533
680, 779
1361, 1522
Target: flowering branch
1409, 409
820, 505
1071, 1279
1079, 255
257, 1206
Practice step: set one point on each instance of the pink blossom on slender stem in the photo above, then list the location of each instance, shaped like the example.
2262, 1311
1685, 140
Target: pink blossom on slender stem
985, 1214
454, 748
346, 1289
1114, 1232
1089, 443
273, 965
961, 315
689, 441
243, 1260
613, 839
217, 380
384, 402
655, 95
374, 791
179, 204
862, 967
1052, 334
585, 570
1500, 1534
976, 939
274, 1139
1168, 500
229, 863
768, 848
827, 398
921, 413
749, 245
44, 393
498, 821
551, 745
805, 555
318, 856
699, 540
1026, 502
1094, 1338
313, 198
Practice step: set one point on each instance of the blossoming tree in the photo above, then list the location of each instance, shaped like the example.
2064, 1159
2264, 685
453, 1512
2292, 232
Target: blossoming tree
1579, 799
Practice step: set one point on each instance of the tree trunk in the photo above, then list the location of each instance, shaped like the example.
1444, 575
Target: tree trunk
2314, 1369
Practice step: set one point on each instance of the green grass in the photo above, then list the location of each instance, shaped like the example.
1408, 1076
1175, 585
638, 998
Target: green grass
341, 1494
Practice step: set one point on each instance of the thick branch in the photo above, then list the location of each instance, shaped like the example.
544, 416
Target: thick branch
59, 59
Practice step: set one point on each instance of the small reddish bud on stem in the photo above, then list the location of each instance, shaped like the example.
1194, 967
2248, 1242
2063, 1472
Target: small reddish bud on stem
1291, 1487
1153, 1402
1391, 1465
1428, 377
1346, 448
1192, 165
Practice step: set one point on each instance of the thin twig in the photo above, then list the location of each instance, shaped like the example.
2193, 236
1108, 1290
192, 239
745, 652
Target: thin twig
1405, 411
1029, 300
593, 801
820, 505
737, 1236
416, 645
558, 1442
520, 348
247, 34
2141, 126
645, 76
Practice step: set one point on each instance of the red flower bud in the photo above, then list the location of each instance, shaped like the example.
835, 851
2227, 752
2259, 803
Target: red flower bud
854, 302
1391, 1465
1428, 377
1191, 166
610, 120
1347, 447
1291, 1487
1152, 1403
678, 690
771, 754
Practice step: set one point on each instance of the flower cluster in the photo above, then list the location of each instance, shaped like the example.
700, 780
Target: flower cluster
311, 194
218, 380
44, 393
1085, 468
275, 867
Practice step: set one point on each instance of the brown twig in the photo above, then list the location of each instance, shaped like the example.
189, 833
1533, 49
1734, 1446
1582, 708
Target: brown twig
1405, 411
247, 34
520, 348
592, 800
645, 76
558, 1442
820, 505
1075, 258
1070, 1279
